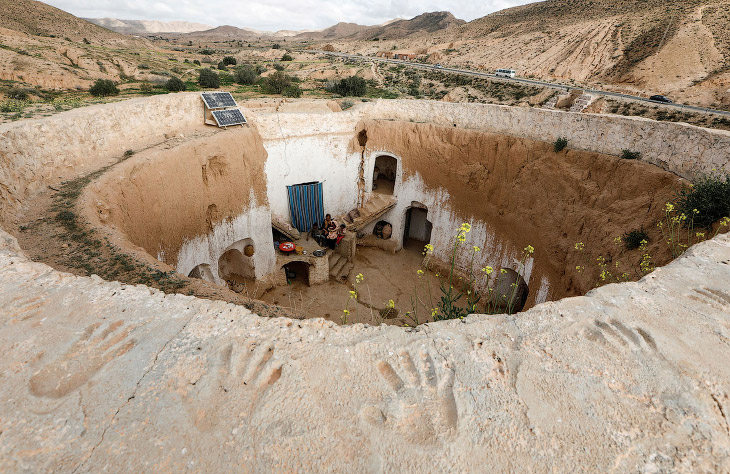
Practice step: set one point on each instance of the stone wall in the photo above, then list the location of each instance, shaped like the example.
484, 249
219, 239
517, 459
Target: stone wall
41, 152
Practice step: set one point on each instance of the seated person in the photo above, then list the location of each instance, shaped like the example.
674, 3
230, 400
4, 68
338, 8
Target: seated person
331, 235
340, 233
316, 233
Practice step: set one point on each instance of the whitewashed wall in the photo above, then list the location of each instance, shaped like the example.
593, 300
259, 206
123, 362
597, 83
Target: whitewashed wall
254, 224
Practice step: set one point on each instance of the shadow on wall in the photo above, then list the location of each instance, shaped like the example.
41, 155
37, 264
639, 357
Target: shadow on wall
237, 262
384, 174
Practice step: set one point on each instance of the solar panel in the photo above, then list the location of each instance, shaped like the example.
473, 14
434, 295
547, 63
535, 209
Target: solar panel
218, 100
226, 118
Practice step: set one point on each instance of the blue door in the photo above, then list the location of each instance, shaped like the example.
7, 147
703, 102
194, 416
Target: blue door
305, 205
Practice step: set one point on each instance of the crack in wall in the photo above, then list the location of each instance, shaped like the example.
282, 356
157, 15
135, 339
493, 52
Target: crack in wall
134, 394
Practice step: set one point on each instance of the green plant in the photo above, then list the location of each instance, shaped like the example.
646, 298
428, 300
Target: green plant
208, 78
17, 93
560, 144
632, 240
221, 66
276, 46
246, 75
292, 91
630, 155
175, 84
346, 104
229, 61
128, 153
707, 200
349, 86
279, 66
277, 82
287, 57
145, 87
13, 106
103, 88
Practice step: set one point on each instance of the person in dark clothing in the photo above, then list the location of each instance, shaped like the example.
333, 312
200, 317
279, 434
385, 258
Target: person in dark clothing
316, 233
331, 233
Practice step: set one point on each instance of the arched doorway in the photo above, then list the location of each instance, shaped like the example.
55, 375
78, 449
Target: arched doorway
385, 173
297, 273
417, 228
202, 272
237, 263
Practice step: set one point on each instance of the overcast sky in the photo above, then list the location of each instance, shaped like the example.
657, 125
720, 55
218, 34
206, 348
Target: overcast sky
279, 14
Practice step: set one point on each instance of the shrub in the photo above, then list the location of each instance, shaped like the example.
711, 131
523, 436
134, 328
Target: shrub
207, 52
17, 93
221, 66
632, 240
286, 57
279, 66
103, 88
276, 46
196, 62
292, 91
260, 69
349, 86
229, 61
710, 197
246, 75
13, 105
175, 84
560, 144
346, 104
145, 87
630, 155
128, 153
277, 83
209, 78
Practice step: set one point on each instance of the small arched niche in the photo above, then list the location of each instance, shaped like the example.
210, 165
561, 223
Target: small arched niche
202, 272
385, 174
237, 263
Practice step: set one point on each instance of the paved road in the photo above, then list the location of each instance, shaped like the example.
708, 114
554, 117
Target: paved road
532, 82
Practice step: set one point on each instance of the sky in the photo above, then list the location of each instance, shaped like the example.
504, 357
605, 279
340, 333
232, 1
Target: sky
272, 15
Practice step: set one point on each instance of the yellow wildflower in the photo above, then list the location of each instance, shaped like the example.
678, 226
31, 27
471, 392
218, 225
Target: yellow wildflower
668, 207
353, 294
465, 227
347, 312
419, 273
579, 246
530, 249
476, 249
488, 270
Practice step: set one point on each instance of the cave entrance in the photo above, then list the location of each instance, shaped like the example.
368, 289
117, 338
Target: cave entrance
236, 263
297, 273
202, 272
384, 174
417, 228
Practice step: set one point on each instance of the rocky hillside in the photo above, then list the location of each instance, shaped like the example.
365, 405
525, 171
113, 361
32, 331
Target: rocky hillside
676, 47
424, 23
142, 27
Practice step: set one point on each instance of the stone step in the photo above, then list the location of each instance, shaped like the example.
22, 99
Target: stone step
334, 259
344, 273
337, 268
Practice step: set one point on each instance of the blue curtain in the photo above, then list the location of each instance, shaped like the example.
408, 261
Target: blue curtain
305, 205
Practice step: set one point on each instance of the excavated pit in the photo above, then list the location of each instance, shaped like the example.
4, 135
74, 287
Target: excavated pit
197, 204
628, 378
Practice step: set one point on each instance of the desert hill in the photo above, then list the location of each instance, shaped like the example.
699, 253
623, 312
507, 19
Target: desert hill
38, 19
142, 27
676, 47
395, 29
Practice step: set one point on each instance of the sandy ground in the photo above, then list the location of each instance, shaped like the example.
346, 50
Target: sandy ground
386, 276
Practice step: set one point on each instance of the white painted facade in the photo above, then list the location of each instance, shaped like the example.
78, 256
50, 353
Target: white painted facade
255, 224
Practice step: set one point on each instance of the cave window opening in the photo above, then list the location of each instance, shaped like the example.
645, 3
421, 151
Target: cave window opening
297, 273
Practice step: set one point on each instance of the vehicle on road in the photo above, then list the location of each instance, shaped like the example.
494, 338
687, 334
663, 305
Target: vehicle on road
505, 73
661, 98
438, 66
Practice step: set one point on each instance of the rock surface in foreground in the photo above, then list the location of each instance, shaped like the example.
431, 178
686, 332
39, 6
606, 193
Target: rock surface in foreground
632, 377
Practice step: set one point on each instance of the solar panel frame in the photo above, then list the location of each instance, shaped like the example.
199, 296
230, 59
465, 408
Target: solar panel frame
229, 117
218, 100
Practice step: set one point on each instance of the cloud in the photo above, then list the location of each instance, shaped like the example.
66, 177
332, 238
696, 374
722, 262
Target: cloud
279, 14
